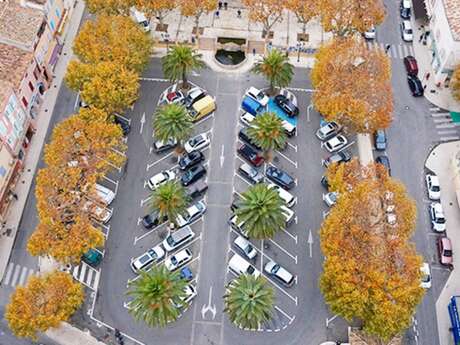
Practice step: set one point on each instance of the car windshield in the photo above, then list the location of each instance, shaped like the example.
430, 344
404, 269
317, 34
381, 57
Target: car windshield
251, 270
275, 268
143, 259
170, 240
448, 252
425, 278
440, 220
435, 188
174, 260
195, 141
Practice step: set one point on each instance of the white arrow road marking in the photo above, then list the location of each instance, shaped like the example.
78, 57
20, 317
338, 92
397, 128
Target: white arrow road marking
142, 122
222, 157
310, 242
209, 307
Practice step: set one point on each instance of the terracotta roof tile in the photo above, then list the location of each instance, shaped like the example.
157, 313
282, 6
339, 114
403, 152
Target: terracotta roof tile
13, 66
452, 8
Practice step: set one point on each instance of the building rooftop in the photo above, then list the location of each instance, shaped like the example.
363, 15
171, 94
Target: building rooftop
452, 8
19, 25
13, 64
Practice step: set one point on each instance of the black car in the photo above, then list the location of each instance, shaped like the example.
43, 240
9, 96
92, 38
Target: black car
251, 155
197, 189
284, 103
236, 202
415, 85
190, 159
153, 219
404, 11
280, 177
192, 175
324, 182
124, 124
385, 162
243, 135
338, 157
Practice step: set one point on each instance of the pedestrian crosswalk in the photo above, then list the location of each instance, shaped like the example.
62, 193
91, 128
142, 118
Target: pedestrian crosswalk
447, 129
16, 275
86, 275
395, 51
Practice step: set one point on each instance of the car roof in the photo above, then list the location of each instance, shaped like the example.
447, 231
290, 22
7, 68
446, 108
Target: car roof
407, 24
183, 254
241, 242
446, 243
434, 180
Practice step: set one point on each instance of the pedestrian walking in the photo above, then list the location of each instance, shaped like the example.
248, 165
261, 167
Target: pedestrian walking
15, 196
238, 14
421, 38
217, 14
225, 5
387, 48
220, 5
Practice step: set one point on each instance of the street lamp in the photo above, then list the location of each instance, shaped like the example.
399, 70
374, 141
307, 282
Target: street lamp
298, 51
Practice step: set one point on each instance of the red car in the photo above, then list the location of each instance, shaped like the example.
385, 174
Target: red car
411, 65
445, 251
251, 155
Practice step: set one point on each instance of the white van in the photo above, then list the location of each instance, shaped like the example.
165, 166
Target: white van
178, 238
105, 194
240, 266
140, 19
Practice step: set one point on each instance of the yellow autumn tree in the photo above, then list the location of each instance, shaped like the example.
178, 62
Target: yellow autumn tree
43, 304
348, 17
371, 271
266, 12
304, 10
195, 9
353, 85
156, 9
110, 7
114, 39
455, 83
105, 85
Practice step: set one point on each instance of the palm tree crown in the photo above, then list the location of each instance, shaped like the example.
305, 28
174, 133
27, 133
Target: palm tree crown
172, 121
260, 210
180, 61
249, 301
170, 199
275, 67
267, 132
154, 295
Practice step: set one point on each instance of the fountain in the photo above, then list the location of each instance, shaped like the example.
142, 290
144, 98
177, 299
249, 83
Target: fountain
230, 51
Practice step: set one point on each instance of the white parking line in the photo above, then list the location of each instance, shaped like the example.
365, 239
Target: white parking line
123, 117
113, 182
244, 180
143, 201
75, 106
136, 239
294, 237
284, 313
111, 164
287, 158
294, 299
203, 120
158, 161
293, 146
346, 146
293, 257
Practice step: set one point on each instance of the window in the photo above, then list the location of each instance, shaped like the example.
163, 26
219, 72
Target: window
3, 130
31, 87
24, 101
35, 75
58, 14
52, 25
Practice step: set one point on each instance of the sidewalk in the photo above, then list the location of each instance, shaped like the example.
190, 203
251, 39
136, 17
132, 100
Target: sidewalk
440, 162
439, 96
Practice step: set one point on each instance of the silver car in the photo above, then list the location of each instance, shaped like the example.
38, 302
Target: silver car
280, 273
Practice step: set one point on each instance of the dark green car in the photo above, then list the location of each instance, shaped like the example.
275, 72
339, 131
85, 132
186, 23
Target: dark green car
92, 257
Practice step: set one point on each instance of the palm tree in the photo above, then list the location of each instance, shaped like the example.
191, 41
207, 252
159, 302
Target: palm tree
154, 295
170, 199
249, 301
172, 121
180, 61
275, 67
268, 133
260, 210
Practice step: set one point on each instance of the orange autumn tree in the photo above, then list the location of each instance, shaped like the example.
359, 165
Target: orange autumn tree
156, 9
455, 83
110, 7
304, 10
43, 303
195, 9
266, 12
348, 17
353, 85
371, 271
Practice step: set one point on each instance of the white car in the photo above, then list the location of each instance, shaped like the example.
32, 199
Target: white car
426, 276
258, 95
434, 189
288, 198
245, 247
197, 143
100, 214
280, 273
330, 198
247, 118
238, 226
161, 178
177, 260
147, 259
328, 130
191, 214
160, 146
438, 221
406, 31
336, 143
190, 293
370, 34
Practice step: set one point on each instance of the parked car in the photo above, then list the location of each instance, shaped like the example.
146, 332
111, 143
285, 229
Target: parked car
289, 128
370, 34
186, 273
243, 135
330, 198
104, 194
438, 221
251, 106
197, 143
245, 247
161, 178
426, 275
279, 273
192, 213
236, 201
286, 105
153, 219
188, 160
404, 9
339, 157
336, 143
327, 131
193, 174
415, 85
194, 95
287, 197
251, 173
246, 118
147, 259
201, 108
251, 155
380, 140
123, 123
189, 294
176, 97
406, 31
98, 213
92, 257
178, 238
324, 182
161, 146
280, 177
257, 95
385, 161
197, 189
177, 260
289, 95
411, 65
434, 189
445, 251
238, 226
240, 266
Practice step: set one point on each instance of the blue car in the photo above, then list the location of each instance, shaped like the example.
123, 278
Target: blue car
380, 139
